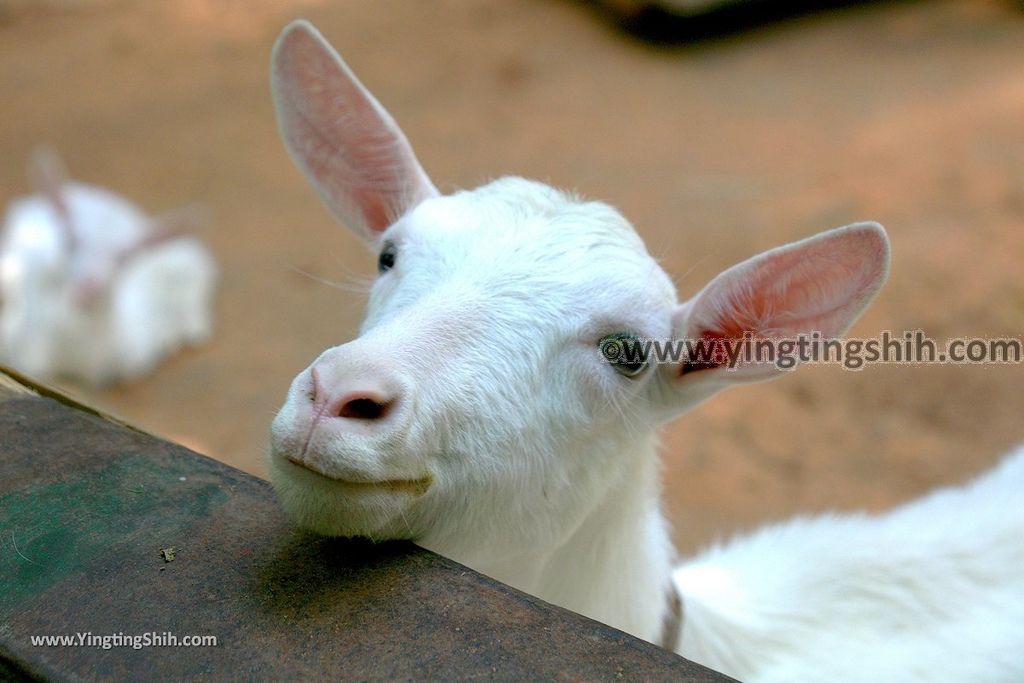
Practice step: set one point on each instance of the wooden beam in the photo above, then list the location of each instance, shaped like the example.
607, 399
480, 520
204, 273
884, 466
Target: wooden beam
107, 532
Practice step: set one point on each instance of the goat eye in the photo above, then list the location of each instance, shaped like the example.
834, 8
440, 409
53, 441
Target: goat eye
386, 260
624, 352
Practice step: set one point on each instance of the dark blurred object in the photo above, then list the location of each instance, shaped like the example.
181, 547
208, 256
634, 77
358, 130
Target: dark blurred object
686, 21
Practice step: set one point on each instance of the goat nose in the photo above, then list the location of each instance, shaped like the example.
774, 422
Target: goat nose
363, 398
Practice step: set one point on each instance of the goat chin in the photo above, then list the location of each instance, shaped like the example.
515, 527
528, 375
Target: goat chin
333, 508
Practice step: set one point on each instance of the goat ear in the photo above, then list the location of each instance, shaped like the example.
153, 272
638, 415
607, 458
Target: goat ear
820, 284
340, 137
168, 226
181, 221
48, 176
46, 171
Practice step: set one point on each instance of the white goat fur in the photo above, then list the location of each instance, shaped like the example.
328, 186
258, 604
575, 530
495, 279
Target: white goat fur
533, 461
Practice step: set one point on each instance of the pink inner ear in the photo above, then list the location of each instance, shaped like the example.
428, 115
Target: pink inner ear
340, 136
818, 285
717, 352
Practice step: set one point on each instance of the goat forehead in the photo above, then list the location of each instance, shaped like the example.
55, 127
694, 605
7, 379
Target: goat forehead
521, 239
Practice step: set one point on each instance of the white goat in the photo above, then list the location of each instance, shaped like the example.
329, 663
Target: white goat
92, 288
476, 415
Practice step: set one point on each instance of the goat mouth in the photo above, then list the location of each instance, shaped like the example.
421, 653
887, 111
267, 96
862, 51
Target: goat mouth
415, 487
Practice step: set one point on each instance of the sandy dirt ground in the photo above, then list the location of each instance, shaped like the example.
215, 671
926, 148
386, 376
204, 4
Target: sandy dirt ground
909, 113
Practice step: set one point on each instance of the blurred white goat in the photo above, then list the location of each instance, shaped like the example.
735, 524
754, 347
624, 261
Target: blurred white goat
93, 289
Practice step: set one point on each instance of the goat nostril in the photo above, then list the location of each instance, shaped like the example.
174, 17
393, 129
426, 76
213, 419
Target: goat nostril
363, 409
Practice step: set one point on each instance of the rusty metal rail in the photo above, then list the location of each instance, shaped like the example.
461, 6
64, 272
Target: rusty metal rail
88, 506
